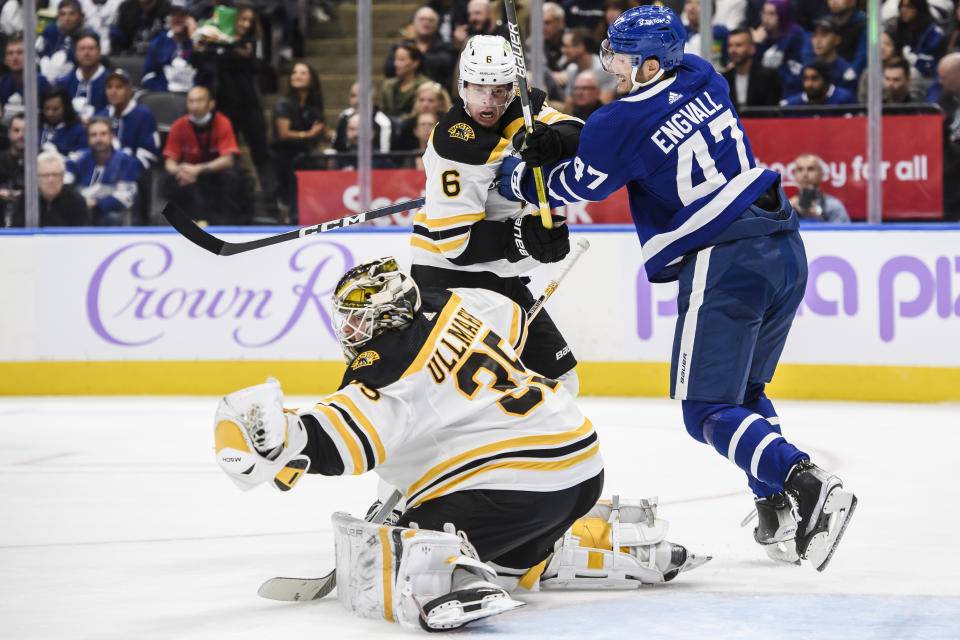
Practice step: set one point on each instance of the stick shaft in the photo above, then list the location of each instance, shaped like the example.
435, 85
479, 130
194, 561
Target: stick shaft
516, 45
195, 234
578, 250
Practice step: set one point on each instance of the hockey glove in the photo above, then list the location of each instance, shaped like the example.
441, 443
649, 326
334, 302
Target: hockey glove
542, 147
530, 238
511, 177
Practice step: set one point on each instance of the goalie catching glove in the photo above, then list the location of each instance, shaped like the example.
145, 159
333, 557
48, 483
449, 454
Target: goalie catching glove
256, 440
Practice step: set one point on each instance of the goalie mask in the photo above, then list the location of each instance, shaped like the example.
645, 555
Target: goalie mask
488, 78
369, 299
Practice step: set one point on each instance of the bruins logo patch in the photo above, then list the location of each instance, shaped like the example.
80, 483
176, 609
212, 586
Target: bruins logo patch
364, 359
463, 131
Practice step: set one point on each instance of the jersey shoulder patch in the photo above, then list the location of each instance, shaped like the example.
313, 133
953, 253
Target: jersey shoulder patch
383, 359
457, 137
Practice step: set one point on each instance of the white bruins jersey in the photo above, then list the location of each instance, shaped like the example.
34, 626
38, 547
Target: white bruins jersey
446, 405
462, 163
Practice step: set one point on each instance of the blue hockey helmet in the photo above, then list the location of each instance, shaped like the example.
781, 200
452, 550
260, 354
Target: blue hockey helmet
650, 31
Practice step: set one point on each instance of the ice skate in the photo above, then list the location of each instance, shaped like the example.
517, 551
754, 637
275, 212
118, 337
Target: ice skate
825, 509
472, 598
777, 527
681, 560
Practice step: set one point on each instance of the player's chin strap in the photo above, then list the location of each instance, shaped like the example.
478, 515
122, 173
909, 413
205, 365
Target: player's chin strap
637, 85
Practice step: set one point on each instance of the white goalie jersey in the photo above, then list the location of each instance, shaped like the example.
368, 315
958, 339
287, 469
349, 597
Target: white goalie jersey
446, 405
462, 165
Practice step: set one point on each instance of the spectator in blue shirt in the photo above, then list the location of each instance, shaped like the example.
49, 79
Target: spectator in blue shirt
691, 19
55, 44
818, 88
86, 84
134, 126
11, 83
106, 177
824, 42
168, 65
60, 127
780, 43
919, 36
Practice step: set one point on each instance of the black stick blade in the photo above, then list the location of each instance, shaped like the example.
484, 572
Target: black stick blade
189, 229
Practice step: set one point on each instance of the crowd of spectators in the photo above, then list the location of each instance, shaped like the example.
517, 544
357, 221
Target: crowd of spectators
215, 55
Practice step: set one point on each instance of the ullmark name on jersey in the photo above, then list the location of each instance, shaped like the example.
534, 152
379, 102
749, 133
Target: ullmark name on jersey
683, 121
463, 329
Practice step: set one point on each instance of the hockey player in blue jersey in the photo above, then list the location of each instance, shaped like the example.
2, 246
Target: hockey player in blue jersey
707, 216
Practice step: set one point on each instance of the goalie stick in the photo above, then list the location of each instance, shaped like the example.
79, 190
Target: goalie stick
300, 589
198, 236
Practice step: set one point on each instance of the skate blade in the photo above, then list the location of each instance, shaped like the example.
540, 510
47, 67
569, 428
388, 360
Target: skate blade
785, 551
840, 506
694, 561
453, 614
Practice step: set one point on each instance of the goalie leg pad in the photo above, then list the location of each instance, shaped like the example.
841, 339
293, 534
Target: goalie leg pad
416, 577
618, 545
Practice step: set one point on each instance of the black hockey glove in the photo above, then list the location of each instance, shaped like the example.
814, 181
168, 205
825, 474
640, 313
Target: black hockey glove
531, 238
542, 147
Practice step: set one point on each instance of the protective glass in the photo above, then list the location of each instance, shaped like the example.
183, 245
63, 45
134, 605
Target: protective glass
488, 95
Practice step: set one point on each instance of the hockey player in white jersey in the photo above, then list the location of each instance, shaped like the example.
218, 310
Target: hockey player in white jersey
708, 216
467, 234
500, 470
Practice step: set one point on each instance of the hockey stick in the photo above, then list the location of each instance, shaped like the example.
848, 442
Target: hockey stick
298, 589
517, 46
198, 236
582, 245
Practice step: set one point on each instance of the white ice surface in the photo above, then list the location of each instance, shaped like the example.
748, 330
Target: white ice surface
115, 523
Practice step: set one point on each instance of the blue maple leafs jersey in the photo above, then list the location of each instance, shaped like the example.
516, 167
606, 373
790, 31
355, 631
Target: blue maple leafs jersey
681, 151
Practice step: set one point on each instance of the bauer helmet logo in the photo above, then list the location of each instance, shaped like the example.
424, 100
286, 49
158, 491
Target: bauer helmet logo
365, 359
462, 131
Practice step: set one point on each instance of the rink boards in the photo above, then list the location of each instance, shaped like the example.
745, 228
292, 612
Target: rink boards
145, 311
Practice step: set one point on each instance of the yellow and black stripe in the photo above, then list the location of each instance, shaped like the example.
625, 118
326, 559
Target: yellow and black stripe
532, 453
443, 235
356, 432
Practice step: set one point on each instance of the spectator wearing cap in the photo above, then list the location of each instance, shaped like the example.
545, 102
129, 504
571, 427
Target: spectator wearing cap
751, 84
439, 57
780, 42
824, 42
11, 83
134, 126
818, 88
138, 23
86, 83
169, 63
200, 162
691, 18
851, 25
55, 43
106, 177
